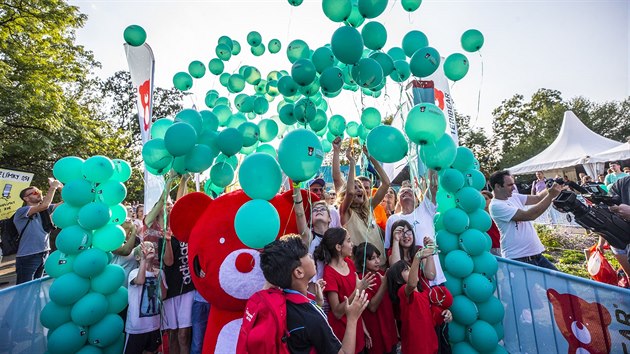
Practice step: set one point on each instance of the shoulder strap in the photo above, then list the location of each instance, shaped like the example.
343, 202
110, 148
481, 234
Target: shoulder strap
24, 228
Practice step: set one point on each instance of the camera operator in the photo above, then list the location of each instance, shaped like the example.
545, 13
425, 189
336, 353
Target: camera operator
519, 240
620, 188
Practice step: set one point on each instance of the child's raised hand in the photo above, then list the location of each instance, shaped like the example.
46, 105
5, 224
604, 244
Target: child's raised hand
355, 308
349, 156
448, 316
336, 144
367, 282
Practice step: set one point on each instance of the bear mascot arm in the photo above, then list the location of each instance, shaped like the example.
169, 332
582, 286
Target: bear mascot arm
224, 270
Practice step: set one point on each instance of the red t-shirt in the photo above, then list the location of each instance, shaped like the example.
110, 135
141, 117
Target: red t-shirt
380, 324
495, 235
344, 286
417, 331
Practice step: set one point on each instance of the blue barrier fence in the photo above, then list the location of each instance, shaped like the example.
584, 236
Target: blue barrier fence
545, 312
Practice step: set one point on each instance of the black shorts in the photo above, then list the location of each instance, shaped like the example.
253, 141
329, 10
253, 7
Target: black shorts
137, 343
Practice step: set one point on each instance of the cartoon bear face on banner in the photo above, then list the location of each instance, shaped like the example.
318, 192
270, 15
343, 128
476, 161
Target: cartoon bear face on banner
223, 269
583, 324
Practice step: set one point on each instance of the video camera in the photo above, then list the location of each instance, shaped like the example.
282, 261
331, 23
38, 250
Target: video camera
595, 217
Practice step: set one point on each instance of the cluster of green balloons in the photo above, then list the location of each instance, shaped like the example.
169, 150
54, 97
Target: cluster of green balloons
469, 267
87, 293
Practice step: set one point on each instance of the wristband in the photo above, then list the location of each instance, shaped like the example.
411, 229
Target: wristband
298, 202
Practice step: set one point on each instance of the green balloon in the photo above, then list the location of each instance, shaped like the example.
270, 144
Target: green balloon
446, 241
216, 66
304, 110
68, 168
109, 237
122, 170
232, 160
397, 53
485, 264
135, 35
65, 215
260, 176
179, 165
311, 90
439, 155
455, 221
236, 83
155, 155
200, 158
300, 155
212, 190
410, 5
465, 159
472, 40
117, 301
211, 99
451, 180
463, 348
58, 264
483, 337
456, 333
472, 242
372, 8
90, 349
248, 150
196, 69
363, 132
222, 174
337, 125
367, 73
54, 315
67, 338
303, 72
209, 121
414, 40
374, 35
182, 81
401, 71
323, 58
347, 45
223, 114
498, 327
297, 49
180, 138
236, 47
425, 124
190, 116
223, 52
252, 75
106, 331
229, 141
352, 128
110, 279
223, 80
474, 178
90, 309
424, 62
117, 347
385, 61
318, 122
387, 144
119, 214
73, 239
268, 130
453, 284
267, 149
90, 263
457, 262
464, 310
226, 40
254, 38
111, 192
258, 50
445, 200
257, 223
480, 220
287, 86
250, 133
97, 169
355, 19
337, 10
456, 66
286, 114
370, 118
469, 199
491, 311
331, 79
274, 46
68, 289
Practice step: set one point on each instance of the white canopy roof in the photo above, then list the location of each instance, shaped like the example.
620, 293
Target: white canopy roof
573, 146
621, 152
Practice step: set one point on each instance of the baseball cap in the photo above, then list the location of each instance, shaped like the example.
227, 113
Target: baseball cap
319, 181
615, 163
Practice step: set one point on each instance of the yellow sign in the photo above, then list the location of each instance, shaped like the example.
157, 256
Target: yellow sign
11, 183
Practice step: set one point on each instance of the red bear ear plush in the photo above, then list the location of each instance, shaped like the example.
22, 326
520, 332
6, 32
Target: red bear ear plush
186, 211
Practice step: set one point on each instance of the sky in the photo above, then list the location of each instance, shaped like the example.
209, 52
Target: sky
580, 48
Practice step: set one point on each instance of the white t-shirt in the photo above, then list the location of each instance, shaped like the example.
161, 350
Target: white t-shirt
143, 314
335, 220
319, 264
518, 238
422, 221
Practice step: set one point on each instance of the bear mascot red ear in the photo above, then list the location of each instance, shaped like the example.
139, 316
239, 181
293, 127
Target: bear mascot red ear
223, 269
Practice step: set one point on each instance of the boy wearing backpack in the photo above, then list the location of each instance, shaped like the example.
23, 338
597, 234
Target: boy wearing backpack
299, 324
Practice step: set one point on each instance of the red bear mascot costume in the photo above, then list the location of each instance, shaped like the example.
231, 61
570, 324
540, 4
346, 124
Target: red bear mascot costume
224, 270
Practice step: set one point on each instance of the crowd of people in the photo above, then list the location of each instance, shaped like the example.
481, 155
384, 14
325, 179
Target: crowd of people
366, 254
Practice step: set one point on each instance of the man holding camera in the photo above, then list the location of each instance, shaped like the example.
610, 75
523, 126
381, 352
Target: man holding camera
519, 240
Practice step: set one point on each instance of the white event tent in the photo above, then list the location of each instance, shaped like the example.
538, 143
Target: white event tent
621, 152
575, 145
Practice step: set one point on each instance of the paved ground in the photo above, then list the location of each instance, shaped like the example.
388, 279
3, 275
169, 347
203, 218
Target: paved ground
7, 272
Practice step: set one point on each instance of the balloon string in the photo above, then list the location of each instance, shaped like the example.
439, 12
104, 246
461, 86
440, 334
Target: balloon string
479, 93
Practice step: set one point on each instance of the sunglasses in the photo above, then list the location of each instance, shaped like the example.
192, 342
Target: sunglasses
35, 192
319, 209
316, 189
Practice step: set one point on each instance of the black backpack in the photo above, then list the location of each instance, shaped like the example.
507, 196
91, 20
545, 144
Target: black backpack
10, 237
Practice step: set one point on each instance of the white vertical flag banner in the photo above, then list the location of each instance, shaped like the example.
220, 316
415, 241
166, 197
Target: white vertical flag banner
141, 67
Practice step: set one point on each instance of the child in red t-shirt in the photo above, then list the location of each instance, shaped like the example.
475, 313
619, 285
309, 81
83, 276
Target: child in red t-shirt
341, 281
379, 319
417, 325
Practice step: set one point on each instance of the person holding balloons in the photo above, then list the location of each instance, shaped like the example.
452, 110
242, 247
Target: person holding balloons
356, 206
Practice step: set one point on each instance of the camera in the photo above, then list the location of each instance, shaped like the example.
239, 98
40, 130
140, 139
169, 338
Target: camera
596, 216
550, 181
